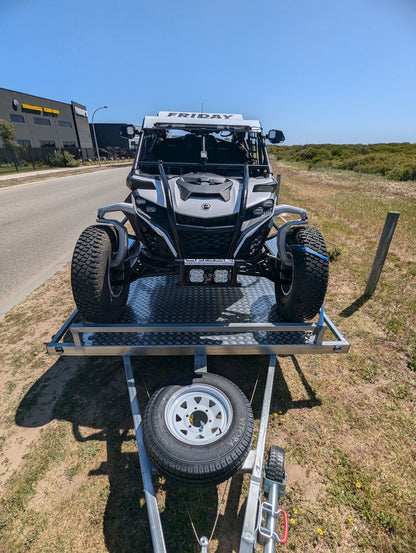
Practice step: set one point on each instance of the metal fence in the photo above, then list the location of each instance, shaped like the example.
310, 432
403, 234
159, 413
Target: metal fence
19, 157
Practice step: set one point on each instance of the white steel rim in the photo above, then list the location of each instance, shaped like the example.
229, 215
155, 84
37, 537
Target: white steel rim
198, 414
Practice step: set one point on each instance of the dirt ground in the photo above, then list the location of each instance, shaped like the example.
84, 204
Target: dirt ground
69, 474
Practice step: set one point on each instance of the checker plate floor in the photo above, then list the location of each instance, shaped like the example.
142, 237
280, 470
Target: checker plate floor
160, 300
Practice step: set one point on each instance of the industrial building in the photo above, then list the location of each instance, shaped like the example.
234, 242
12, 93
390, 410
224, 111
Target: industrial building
112, 139
41, 122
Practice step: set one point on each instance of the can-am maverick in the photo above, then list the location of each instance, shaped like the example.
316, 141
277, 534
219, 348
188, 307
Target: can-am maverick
203, 206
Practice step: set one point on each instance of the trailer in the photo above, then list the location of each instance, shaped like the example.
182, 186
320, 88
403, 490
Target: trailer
164, 319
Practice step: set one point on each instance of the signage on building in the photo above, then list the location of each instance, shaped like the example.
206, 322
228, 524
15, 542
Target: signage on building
31, 108
47, 111
81, 112
51, 111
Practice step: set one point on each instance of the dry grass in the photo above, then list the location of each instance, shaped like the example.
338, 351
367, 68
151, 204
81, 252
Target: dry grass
69, 468
360, 439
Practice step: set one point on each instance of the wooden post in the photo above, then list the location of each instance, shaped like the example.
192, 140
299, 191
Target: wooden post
382, 250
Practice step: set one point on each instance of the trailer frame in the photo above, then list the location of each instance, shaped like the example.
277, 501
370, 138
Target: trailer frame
230, 326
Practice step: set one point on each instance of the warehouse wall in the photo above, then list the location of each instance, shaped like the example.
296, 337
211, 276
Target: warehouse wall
41, 122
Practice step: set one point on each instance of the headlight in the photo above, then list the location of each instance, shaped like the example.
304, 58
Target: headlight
257, 211
263, 208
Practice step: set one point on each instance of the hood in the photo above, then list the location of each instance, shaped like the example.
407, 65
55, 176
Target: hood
205, 195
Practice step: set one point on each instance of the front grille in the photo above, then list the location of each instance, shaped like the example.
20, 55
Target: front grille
228, 220
206, 245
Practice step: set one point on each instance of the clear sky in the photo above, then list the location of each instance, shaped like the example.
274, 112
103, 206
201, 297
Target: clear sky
341, 71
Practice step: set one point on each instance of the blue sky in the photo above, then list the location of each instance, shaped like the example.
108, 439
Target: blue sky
321, 70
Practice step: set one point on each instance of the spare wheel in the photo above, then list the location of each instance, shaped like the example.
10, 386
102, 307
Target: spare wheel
198, 429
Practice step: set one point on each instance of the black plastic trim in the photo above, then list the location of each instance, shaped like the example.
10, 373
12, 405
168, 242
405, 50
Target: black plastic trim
169, 209
241, 213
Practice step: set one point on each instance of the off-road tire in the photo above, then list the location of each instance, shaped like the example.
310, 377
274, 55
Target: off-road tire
100, 292
184, 460
300, 289
275, 468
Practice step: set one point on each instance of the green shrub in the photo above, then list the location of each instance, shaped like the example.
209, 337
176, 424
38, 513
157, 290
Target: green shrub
62, 158
308, 154
404, 172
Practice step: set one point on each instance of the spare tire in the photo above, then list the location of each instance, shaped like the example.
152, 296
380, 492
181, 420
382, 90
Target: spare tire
198, 429
100, 291
301, 287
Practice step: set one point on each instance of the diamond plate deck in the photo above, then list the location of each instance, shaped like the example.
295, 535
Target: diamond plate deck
160, 300
235, 313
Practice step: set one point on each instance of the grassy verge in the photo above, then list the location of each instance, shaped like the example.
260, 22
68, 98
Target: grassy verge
358, 443
394, 161
346, 422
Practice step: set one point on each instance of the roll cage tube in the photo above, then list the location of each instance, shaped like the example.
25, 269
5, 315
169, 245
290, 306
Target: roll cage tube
169, 208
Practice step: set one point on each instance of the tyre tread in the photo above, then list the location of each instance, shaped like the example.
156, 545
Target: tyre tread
88, 273
275, 468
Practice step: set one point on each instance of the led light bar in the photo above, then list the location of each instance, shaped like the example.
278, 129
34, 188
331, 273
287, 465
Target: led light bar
196, 275
221, 276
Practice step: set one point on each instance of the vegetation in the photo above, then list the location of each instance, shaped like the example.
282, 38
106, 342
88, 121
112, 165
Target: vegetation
395, 161
7, 133
62, 158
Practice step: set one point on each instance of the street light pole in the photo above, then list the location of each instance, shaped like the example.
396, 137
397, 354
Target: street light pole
95, 136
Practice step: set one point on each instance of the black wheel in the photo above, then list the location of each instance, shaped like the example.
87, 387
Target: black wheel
100, 291
198, 429
275, 468
300, 288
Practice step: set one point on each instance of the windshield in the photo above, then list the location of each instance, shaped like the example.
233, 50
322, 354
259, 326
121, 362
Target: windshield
202, 147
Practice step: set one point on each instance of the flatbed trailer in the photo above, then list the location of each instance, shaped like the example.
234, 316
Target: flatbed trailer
164, 319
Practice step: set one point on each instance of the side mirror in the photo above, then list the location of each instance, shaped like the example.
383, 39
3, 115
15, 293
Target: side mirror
129, 131
275, 137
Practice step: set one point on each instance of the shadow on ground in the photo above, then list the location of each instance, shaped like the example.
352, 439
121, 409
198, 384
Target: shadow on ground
96, 399
355, 306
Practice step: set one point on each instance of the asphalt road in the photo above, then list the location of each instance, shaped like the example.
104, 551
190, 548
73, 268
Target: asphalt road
40, 223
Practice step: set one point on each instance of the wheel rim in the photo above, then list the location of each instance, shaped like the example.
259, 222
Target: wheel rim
198, 414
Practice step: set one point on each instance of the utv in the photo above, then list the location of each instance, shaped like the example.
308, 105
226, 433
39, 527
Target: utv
203, 206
